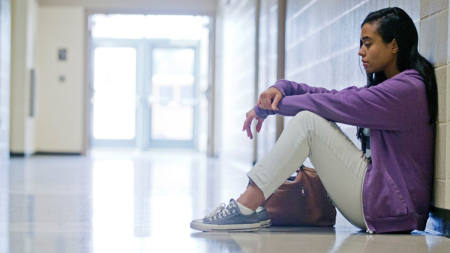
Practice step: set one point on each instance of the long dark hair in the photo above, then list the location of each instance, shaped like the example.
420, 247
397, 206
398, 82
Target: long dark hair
394, 23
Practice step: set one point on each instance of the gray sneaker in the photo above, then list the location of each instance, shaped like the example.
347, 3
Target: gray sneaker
263, 216
227, 218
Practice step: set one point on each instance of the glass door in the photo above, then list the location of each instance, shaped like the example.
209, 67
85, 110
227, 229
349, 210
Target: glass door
172, 99
114, 94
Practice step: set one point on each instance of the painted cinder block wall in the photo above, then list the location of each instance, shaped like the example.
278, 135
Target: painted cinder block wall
267, 69
236, 74
246, 64
434, 46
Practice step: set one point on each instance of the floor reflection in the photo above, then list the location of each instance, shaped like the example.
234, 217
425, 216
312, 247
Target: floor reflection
48, 199
286, 239
129, 201
4, 205
113, 202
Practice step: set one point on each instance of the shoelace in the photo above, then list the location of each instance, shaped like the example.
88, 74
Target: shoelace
219, 212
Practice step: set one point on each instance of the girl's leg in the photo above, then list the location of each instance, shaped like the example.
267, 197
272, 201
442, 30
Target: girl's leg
252, 197
339, 163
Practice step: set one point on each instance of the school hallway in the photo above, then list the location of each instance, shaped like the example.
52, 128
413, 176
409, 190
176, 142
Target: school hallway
131, 201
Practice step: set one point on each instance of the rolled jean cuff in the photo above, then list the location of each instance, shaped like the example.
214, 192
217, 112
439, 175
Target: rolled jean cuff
256, 179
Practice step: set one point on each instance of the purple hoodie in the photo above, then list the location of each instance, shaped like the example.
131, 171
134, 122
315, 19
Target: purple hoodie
398, 183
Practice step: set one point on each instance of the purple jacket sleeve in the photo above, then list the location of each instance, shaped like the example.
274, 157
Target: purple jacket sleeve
386, 106
289, 88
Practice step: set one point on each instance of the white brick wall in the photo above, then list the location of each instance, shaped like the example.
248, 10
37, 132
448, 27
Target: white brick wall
322, 43
434, 24
238, 79
267, 68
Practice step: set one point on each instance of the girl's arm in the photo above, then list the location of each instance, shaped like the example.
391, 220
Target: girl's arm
387, 106
290, 88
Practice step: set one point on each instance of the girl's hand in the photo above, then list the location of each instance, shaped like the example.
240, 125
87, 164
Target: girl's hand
269, 99
248, 123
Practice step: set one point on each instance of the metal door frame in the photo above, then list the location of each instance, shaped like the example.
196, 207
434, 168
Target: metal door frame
109, 42
144, 49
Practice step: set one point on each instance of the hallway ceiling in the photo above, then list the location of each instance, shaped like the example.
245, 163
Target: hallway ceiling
166, 6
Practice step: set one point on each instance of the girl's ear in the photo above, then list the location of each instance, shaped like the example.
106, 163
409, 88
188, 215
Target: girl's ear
394, 46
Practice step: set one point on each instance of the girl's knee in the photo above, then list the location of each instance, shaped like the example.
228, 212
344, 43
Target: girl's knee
305, 116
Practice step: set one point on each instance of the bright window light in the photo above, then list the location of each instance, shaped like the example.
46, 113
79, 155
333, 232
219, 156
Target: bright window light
175, 27
114, 93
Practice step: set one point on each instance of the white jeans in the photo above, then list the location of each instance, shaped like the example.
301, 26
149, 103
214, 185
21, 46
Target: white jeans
340, 165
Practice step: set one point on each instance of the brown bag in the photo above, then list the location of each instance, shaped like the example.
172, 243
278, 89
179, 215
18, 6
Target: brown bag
301, 202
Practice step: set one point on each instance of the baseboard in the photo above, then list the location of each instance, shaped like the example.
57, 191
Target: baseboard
439, 221
57, 154
14, 154
22, 155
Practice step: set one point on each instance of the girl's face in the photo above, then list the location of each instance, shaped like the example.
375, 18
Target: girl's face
377, 55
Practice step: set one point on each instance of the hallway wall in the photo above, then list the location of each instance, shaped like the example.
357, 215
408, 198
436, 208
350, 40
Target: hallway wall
237, 72
434, 45
5, 76
59, 126
23, 50
268, 67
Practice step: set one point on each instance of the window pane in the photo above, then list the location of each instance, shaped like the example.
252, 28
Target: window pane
172, 117
114, 108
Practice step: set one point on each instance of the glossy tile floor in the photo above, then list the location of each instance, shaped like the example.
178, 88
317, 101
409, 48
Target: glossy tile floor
127, 201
